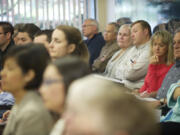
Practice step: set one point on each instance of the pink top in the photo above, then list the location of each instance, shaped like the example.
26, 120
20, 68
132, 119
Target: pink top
154, 77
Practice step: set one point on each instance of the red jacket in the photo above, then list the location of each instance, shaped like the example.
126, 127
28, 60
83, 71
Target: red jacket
154, 77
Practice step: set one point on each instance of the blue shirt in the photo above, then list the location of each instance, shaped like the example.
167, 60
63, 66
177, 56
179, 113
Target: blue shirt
172, 76
6, 99
95, 45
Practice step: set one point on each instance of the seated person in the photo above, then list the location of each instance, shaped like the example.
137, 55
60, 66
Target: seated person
67, 40
22, 75
56, 80
136, 63
161, 60
173, 74
95, 40
173, 102
26, 33
110, 36
124, 43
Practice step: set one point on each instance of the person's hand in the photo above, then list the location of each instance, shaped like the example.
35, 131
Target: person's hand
6, 115
103, 58
154, 104
135, 91
154, 60
1, 121
144, 94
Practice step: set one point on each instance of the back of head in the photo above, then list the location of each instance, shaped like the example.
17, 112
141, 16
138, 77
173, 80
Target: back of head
7, 27
73, 36
160, 27
144, 24
71, 68
47, 32
173, 24
30, 57
30, 28
118, 111
123, 20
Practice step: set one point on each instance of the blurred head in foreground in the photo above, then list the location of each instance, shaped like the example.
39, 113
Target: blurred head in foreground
99, 107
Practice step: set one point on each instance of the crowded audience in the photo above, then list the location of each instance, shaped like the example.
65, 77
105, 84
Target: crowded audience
44, 88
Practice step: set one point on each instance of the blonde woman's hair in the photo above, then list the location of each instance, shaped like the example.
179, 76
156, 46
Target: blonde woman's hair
166, 39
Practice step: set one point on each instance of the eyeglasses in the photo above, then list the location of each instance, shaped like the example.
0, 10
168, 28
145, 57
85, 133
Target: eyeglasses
51, 81
87, 25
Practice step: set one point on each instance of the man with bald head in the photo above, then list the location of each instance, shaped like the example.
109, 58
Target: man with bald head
106, 109
95, 40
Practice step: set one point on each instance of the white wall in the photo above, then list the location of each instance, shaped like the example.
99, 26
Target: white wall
110, 11
105, 12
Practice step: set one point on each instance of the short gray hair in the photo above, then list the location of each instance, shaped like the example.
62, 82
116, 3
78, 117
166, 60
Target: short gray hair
116, 26
126, 26
93, 22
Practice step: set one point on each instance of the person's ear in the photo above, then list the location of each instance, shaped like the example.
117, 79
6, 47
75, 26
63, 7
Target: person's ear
8, 35
146, 32
29, 76
71, 48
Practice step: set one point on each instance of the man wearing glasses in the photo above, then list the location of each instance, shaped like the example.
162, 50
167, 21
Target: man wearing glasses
95, 40
6, 32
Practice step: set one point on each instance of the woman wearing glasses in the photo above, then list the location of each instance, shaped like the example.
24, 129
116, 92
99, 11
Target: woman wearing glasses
22, 75
57, 77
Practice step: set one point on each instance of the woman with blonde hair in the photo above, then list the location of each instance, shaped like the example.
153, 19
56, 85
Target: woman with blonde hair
161, 60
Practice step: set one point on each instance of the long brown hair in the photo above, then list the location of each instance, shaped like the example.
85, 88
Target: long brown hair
73, 36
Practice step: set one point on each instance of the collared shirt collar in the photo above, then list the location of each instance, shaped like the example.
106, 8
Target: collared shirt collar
111, 42
144, 45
